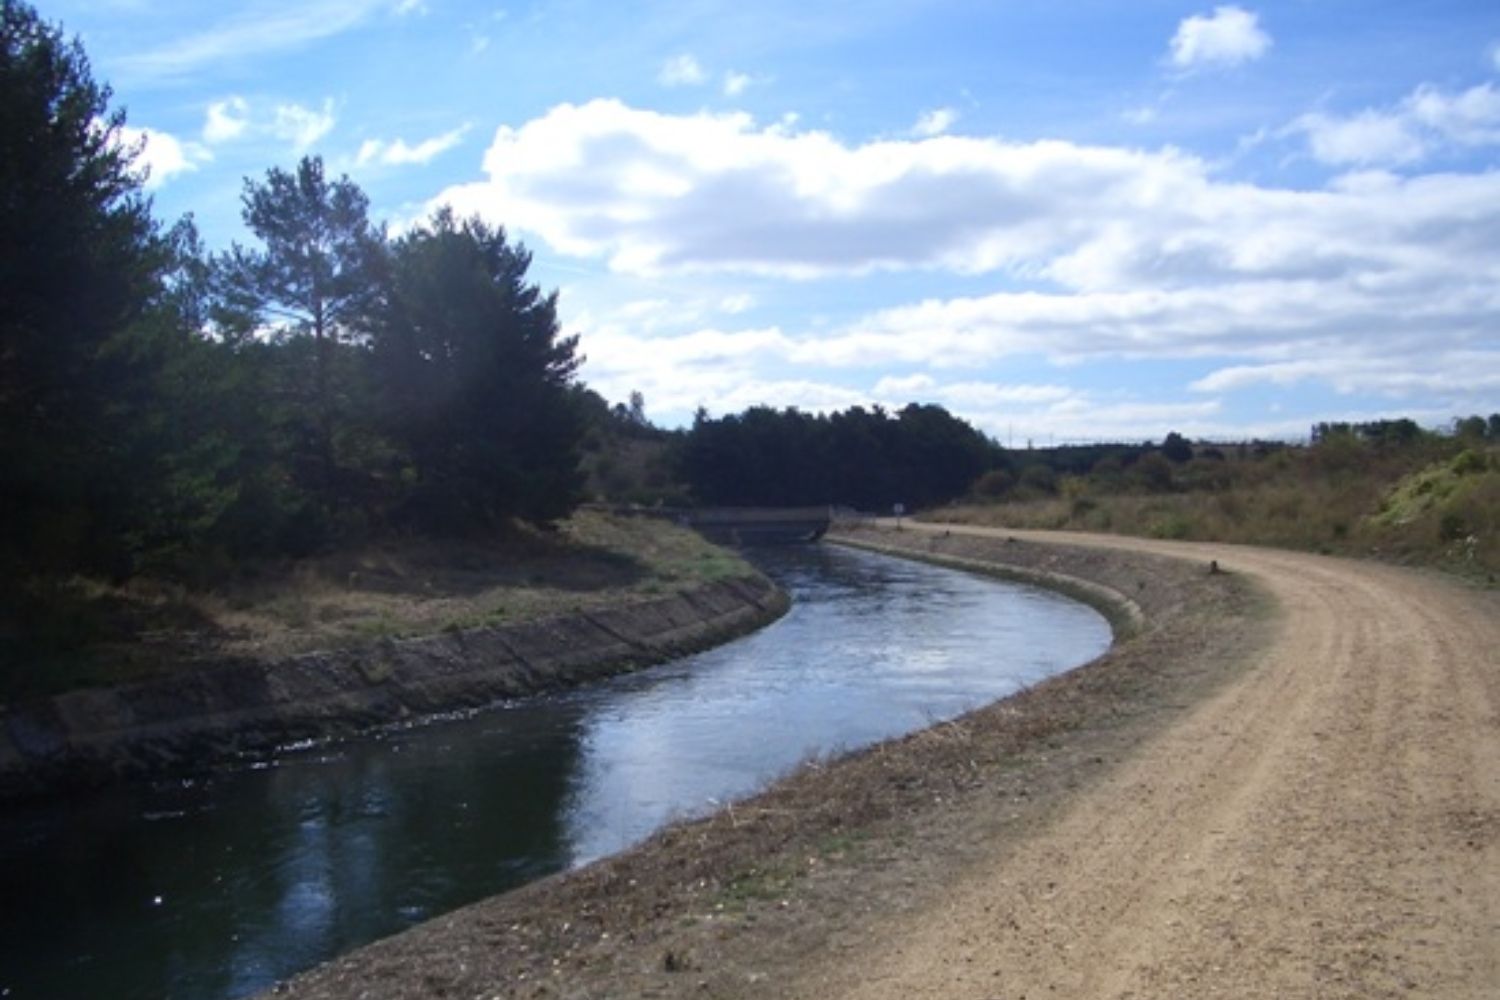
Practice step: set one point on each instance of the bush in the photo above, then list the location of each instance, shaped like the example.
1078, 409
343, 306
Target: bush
993, 485
1469, 462
1039, 479
1153, 473
1452, 527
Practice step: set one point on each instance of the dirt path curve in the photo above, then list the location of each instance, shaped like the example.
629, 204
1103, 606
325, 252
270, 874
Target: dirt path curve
1326, 826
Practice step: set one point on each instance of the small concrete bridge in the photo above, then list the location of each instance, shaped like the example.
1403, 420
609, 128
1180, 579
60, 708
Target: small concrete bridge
744, 525
759, 525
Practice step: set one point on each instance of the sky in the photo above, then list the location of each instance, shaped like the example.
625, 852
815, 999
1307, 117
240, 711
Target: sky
1065, 222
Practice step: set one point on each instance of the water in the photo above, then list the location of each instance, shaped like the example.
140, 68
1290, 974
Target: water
217, 887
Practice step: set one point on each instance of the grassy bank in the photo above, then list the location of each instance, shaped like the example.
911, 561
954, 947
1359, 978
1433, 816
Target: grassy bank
81, 631
1433, 502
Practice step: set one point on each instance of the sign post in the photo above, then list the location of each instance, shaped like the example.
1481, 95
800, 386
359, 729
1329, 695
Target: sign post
898, 510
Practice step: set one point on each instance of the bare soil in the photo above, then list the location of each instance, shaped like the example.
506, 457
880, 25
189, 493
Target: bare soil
1286, 785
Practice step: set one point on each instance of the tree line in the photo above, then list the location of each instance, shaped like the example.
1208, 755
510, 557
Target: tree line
919, 456
159, 402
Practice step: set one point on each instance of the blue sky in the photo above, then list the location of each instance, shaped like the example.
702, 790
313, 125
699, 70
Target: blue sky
1063, 221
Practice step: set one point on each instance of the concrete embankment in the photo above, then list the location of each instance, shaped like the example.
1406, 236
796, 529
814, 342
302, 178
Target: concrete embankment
1105, 583
197, 718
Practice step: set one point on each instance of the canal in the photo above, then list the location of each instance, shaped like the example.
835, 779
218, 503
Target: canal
216, 887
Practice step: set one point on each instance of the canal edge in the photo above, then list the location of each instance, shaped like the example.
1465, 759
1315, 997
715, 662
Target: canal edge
1125, 616
239, 709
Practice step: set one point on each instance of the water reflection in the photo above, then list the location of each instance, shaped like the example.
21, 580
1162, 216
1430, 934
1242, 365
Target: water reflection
217, 887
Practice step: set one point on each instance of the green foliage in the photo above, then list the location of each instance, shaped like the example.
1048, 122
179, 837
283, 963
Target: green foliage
1176, 448
993, 485
167, 411
1039, 480
79, 259
865, 458
476, 380
317, 278
1152, 472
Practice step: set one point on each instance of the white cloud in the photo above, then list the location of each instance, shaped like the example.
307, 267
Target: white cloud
1425, 120
655, 193
1445, 373
302, 126
404, 7
1104, 253
736, 84
1228, 37
162, 156
398, 153
274, 27
681, 71
935, 122
1369, 137
969, 396
1471, 118
226, 120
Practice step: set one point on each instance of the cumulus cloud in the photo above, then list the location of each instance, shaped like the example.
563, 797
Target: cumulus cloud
399, 153
1471, 118
161, 155
935, 122
303, 126
656, 193
681, 71
1103, 253
1427, 119
1369, 137
226, 120
1227, 37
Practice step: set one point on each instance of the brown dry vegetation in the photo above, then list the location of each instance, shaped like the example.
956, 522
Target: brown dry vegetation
1432, 502
105, 633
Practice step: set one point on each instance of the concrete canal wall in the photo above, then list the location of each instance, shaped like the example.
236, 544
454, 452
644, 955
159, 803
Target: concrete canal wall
196, 719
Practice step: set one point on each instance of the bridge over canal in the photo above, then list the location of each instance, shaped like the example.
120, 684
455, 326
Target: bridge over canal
746, 525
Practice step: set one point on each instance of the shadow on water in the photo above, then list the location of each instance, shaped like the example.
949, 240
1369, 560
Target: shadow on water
218, 887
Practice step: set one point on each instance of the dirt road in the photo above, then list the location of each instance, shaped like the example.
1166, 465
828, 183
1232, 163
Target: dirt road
1328, 825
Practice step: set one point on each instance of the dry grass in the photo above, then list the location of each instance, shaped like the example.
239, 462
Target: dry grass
105, 634
1441, 510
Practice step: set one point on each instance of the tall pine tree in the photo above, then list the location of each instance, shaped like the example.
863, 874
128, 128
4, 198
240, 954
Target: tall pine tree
79, 261
317, 279
476, 379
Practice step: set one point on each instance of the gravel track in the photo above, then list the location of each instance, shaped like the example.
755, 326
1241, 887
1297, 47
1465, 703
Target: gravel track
1327, 825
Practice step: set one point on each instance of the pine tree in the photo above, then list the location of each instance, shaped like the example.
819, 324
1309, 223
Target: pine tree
79, 261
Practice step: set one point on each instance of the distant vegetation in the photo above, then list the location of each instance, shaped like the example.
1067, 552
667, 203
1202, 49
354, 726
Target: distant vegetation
1385, 488
871, 459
